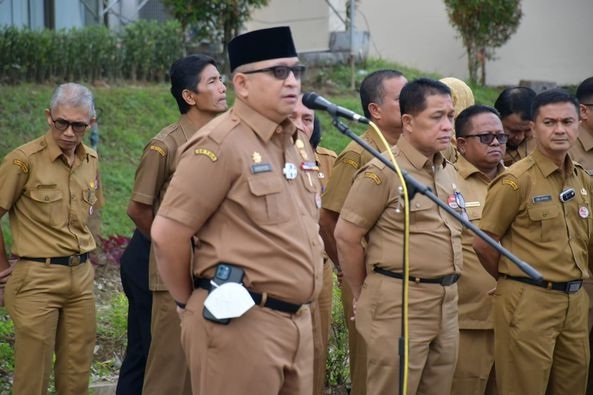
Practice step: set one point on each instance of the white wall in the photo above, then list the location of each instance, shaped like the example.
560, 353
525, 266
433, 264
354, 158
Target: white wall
308, 20
554, 41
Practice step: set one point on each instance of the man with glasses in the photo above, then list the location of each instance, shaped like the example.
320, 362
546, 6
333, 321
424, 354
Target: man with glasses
582, 152
481, 146
50, 187
540, 210
200, 94
246, 185
373, 211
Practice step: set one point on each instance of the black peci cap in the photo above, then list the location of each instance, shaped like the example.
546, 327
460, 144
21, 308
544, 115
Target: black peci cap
264, 44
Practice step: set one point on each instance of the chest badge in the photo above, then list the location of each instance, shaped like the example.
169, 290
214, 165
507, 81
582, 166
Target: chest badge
256, 157
583, 212
290, 171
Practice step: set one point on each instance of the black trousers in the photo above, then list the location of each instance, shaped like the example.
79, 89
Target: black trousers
134, 278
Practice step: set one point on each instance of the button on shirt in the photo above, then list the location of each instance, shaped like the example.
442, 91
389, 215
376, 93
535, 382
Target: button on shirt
230, 187
523, 207
475, 305
48, 201
435, 237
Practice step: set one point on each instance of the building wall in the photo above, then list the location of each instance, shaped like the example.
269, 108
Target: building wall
554, 41
308, 20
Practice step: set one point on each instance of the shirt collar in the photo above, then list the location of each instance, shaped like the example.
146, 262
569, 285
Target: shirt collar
466, 169
55, 152
261, 125
417, 158
547, 166
188, 128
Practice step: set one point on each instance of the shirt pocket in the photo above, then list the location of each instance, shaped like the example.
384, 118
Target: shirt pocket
89, 196
48, 206
422, 215
269, 203
546, 222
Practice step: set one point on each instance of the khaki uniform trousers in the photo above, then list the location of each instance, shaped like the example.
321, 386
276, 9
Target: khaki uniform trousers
433, 329
53, 309
166, 370
356, 346
264, 352
474, 373
321, 311
541, 340
588, 285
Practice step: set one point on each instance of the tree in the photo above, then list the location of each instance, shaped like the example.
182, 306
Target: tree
483, 26
214, 19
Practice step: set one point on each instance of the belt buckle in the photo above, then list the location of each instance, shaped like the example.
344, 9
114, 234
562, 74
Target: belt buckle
74, 260
449, 280
573, 286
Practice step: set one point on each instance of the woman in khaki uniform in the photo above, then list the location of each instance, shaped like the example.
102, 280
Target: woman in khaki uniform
50, 187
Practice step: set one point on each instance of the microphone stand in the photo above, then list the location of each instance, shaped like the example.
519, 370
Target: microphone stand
414, 187
417, 187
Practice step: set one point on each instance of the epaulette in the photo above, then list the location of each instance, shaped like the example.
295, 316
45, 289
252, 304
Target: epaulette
219, 128
90, 151
33, 146
166, 131
324, 151
520, 167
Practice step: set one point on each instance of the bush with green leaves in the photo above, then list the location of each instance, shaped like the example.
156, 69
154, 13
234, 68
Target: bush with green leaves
143, 51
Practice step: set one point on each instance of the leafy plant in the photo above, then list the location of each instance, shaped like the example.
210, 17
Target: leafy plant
483, 26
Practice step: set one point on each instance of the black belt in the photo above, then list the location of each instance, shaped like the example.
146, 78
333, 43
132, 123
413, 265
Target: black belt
271, 303
568, 287
449, 279
73, 260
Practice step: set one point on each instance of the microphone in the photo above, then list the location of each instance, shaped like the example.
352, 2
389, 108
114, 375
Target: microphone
315, 102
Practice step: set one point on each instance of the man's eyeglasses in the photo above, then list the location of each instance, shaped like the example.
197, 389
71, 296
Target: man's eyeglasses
587, 104
281, 72
62, 125
488, 138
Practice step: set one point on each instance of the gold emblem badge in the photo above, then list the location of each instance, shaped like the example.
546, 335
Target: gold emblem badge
299, 144
256, 157
206, 152
23, 166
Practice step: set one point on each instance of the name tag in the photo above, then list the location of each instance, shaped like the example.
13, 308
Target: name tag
261, 168
541, 198
472, 204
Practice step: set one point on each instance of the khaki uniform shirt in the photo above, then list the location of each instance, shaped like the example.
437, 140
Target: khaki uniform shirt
475, 305
230, 188
48, 201
582, 150
435, 237
325, 159
154, 174
524, 209
346, 165
525, 148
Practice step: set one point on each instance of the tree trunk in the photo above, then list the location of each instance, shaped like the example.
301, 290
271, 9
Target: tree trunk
482, 60
472, 62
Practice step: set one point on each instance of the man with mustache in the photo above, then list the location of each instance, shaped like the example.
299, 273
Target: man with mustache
540, 210
246, 185
481, 146
154, 362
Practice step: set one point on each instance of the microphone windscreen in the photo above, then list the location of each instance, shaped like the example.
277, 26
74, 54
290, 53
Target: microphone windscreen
310, 101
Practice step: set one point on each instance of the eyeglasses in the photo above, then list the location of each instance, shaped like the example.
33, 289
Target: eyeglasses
488, 138
62, 125
587, 104
281, 72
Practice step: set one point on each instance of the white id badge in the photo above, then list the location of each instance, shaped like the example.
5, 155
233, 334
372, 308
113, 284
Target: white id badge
229, 300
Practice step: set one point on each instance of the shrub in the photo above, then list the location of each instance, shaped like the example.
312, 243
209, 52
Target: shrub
143, 51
